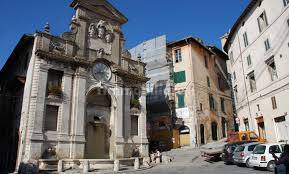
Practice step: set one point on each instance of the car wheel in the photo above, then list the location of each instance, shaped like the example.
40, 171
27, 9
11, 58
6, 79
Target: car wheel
248, 163
271, 166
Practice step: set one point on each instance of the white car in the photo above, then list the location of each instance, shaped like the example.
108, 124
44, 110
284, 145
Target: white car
262, 155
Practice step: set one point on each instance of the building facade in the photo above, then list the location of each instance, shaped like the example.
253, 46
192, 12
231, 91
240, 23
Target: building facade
80, 94
202, 93
159, 89
258, 50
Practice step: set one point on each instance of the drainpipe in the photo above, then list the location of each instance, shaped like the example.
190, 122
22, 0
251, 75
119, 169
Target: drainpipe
246, 88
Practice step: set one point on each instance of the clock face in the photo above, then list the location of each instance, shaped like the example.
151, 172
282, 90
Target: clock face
101, 72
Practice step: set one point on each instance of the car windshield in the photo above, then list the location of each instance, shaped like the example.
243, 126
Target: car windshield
260, 149
240, 149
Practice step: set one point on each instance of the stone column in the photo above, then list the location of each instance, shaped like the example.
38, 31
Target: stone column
142, 124
119, 122
78, 114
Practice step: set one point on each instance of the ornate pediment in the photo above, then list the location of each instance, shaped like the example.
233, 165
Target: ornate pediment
101, 7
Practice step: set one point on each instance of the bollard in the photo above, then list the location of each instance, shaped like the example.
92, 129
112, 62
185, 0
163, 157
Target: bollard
85, 166
60, 166
146, 161
116, 166
136, 164
158, 160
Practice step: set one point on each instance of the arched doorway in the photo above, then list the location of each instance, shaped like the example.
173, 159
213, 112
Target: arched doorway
214, 126
97, 129
184, 136
202, 130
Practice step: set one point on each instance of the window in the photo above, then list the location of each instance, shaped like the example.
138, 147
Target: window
208, 82
206, 62
249, 61
220, 83
252, 82
251, 148
181, 100
274, 149
180, 77
211, 102
274, 103
236, 93
234, 76
267, 44
262, 21
54, 83
259, 149
245, 37
134, 125
178, 55
201, 107
222, 104
288, 22
272, 69
246, 123
286, 2
258, 107
51, 118
231, 56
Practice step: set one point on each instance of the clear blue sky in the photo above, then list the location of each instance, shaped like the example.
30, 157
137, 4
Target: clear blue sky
147, 19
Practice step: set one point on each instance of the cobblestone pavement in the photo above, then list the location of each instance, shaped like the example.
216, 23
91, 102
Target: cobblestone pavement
183, 164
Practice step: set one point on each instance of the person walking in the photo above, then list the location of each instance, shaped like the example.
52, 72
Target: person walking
283, 160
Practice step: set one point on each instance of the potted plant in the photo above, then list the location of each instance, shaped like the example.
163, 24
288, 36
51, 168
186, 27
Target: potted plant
54, 91
135, 103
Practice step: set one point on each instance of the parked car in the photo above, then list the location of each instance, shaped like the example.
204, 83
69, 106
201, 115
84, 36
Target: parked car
229, 152
242, 153
262, 155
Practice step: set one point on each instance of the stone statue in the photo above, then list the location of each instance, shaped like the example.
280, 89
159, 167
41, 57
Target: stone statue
109, 37
101, 32
92, 30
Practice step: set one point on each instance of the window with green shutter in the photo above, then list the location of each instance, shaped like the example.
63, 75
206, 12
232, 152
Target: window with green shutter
181, 100
180, 77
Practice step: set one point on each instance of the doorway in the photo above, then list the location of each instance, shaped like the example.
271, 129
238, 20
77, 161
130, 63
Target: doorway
202, 129
214, 131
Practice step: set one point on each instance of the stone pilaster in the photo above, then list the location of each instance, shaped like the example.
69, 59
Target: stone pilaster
127, 116
119, 122
142, 123
78, 114
63, 123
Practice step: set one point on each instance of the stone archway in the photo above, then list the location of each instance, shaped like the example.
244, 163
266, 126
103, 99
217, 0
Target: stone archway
98, 124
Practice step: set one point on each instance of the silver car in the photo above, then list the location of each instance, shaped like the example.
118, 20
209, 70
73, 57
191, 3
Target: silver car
242, 153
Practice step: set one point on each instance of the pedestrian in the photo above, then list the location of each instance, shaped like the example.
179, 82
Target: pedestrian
283, 160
